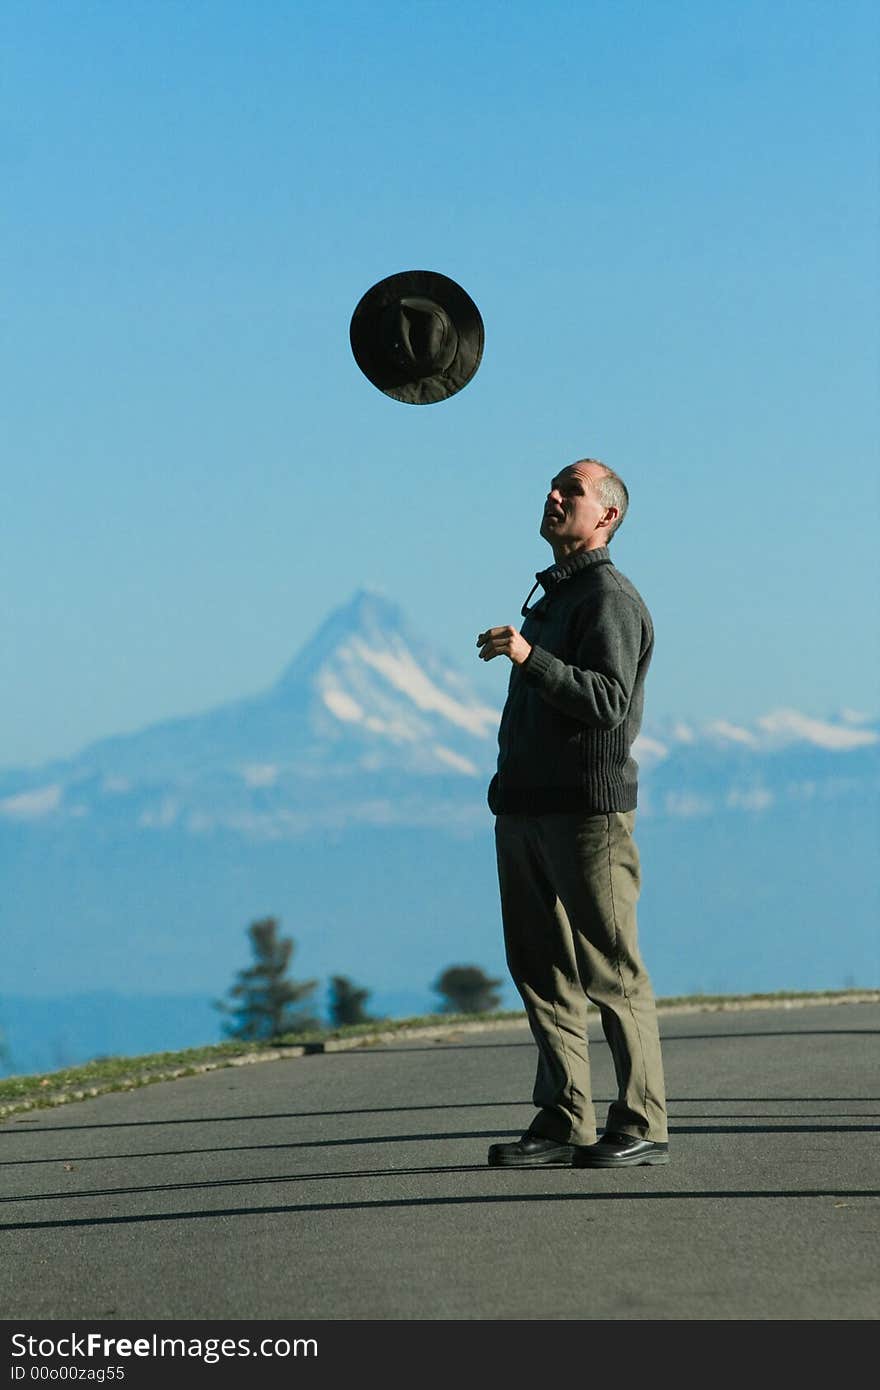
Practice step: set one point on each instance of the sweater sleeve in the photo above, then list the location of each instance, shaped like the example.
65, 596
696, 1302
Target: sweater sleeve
597, 686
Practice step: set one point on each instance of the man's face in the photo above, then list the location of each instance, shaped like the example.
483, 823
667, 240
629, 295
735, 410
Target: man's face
572, 510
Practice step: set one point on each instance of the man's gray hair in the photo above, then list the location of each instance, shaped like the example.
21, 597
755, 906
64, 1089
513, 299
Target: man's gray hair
611, 490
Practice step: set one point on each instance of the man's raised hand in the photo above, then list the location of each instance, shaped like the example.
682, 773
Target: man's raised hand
503, 641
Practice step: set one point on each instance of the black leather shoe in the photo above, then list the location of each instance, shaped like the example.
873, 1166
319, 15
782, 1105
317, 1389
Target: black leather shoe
621, 1151
531, 1151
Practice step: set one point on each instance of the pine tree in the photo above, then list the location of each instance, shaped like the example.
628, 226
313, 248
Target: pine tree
467, 990
347, 1002
266, 1004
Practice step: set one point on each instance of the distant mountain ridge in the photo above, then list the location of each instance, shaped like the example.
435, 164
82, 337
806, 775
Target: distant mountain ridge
369, 725
361, 711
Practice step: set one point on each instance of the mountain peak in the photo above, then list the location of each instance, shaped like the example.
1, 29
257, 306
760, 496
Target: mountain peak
368, 614
370, 692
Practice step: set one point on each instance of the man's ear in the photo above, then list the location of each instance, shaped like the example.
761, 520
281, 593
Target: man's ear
609, 517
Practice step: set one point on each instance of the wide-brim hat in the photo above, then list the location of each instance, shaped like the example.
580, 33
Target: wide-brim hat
418, 336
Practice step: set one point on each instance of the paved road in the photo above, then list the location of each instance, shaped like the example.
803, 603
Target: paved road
353, 1185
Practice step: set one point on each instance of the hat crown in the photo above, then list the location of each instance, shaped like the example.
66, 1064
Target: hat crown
420, 336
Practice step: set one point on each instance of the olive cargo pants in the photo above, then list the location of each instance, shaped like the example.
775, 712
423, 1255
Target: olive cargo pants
569, 886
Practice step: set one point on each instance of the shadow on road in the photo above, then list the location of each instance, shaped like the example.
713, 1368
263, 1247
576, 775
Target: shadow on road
254, 1181
390, 1203
469, 1134
30, 1126
394, 1048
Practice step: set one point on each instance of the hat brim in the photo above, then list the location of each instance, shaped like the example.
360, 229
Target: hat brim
387, 375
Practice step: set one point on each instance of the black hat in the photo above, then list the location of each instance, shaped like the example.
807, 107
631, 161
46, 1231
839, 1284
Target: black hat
417, 336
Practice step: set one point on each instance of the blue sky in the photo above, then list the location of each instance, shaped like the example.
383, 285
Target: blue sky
668, 217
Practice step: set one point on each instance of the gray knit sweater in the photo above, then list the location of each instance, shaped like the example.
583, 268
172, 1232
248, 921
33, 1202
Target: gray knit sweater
575, 706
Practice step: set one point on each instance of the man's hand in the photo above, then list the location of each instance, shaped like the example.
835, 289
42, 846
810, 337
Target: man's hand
503, 641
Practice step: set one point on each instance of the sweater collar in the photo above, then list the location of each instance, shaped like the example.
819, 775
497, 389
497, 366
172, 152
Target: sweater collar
564, 569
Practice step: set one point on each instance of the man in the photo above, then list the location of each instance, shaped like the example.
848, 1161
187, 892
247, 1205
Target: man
564, 800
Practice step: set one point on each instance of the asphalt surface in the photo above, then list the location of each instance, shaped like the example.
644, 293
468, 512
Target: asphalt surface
353, 1185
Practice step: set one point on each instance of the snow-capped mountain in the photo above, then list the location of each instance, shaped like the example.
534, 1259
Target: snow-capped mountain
360, 723
368, 724
783, 758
